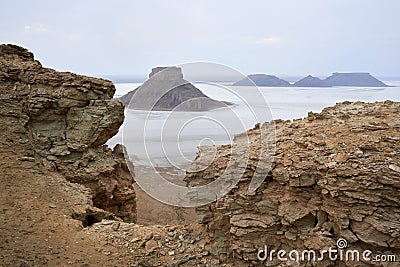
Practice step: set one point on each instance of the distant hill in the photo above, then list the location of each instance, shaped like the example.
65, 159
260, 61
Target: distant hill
356, 79
310, 81
262, 80
167, 90
353, 79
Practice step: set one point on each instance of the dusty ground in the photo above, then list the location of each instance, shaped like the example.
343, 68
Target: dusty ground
36, 227
151, 211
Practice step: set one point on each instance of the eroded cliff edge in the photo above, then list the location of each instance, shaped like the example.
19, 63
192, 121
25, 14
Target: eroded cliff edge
65, 120
335, 175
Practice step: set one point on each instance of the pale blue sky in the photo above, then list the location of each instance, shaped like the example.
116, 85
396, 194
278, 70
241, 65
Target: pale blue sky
283, 37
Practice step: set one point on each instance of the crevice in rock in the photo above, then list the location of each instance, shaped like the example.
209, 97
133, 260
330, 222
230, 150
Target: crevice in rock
315, 221
90, 216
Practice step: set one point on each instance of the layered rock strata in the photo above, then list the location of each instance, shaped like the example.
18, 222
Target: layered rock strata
335, 174
68, 118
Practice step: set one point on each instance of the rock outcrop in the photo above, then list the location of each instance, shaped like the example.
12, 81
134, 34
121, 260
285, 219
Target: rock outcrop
335, 175
262, 80
67, 118
353, 79
310, 81
167, 90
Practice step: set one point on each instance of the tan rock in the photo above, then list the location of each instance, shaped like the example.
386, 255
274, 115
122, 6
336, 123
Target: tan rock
69, 118
317, 191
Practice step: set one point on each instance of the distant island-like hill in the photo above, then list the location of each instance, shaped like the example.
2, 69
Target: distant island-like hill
167, 90
353, 79
356, 79
310, 81
262, 80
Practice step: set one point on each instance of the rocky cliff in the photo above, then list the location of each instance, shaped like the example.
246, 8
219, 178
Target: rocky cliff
335, 175
167, 90
53, 127
66, 120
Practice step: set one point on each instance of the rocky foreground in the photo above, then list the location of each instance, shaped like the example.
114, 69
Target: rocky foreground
64, 120
335, 175
68, 200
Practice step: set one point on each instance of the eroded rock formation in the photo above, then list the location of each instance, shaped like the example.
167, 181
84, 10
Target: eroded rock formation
167, 90
68, 118
335, 175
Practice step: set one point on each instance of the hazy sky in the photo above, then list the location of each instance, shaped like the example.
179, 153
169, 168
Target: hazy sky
283, 37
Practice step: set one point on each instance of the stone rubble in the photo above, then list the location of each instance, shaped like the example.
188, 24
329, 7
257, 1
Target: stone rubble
155, 245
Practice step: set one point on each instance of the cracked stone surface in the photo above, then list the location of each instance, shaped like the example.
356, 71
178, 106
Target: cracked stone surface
335, 174
67, 118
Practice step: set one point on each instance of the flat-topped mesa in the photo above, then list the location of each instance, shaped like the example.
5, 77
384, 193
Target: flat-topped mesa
166, 73
353, 79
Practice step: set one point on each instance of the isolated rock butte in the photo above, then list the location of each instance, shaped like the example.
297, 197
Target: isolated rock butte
67, 118
167, 90
262, 80
335, 175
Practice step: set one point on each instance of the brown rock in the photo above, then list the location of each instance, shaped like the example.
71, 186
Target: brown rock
347, 187
69, 118
151, 245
